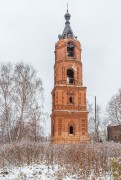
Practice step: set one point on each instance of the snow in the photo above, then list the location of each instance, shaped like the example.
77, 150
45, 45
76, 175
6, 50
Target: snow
30, 160
39, 172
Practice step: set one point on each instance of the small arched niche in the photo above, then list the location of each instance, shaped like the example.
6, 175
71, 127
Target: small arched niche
71, 128
70, 76
70, 49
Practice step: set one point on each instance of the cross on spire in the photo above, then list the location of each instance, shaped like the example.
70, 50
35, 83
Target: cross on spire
67, 7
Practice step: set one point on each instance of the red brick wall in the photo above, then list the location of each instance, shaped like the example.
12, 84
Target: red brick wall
66, 114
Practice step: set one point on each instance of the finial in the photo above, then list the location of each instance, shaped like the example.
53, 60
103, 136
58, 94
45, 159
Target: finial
67, 15
67, 7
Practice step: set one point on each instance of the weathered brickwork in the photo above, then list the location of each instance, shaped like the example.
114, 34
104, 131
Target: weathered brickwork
69, 118
114, 133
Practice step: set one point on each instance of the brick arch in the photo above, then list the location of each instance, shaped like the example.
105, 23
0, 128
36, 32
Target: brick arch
71, 42
70, 67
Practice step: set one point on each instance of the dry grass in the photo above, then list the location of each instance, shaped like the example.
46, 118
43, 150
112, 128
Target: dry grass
81, 160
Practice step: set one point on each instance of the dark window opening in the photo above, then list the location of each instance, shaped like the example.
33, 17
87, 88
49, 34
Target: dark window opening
70, 49
70, 76
71, 130
70, 99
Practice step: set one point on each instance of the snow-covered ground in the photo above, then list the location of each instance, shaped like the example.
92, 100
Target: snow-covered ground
41, 172
43, 161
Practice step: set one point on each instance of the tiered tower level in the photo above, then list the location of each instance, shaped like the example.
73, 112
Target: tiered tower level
69, 118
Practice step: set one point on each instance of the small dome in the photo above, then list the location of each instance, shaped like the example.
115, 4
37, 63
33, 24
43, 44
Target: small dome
67, 16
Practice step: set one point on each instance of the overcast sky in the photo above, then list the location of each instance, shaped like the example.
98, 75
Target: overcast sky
29, 30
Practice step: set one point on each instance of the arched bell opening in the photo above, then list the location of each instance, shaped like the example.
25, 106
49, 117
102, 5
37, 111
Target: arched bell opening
70, 49
70, 76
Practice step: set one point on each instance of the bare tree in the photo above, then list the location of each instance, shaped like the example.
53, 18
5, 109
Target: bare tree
28, 95
113, 109
21, 100
6, 94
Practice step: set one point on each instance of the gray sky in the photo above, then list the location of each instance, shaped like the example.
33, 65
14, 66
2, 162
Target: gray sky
29, 30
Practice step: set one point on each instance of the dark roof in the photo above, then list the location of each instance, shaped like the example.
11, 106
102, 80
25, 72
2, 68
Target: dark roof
67, 32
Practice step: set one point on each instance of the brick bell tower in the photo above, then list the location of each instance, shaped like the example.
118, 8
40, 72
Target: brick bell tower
69, 118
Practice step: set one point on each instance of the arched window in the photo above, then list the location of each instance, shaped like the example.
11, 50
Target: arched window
71, 130
70, 76
71, 99
70, 49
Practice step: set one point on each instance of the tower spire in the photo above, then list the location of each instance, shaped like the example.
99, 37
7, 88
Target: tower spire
67, 32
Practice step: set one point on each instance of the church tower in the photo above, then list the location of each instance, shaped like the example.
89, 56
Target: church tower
69, 118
